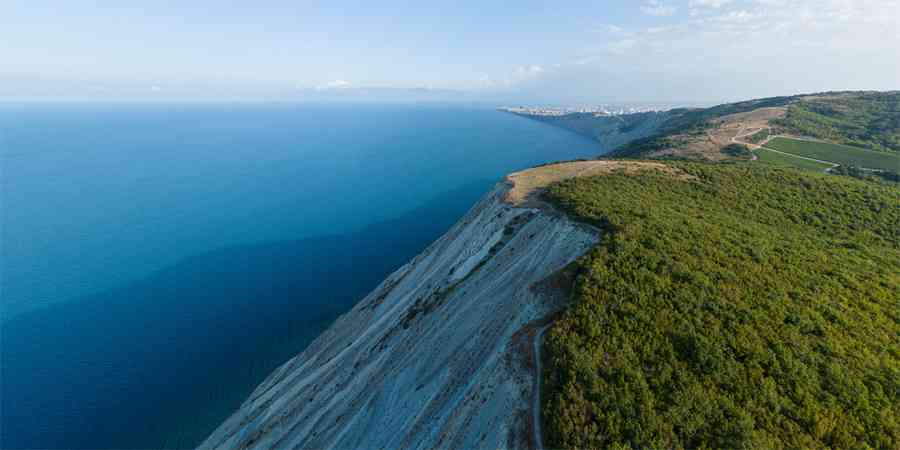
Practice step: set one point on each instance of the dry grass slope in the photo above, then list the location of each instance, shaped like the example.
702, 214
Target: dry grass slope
527, 185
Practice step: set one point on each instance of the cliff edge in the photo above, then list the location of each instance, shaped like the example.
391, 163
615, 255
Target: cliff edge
440, 354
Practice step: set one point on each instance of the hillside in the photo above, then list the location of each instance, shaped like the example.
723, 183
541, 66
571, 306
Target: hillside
845, 133
861, 119
740, 306
611, 131
852, 130
745, 304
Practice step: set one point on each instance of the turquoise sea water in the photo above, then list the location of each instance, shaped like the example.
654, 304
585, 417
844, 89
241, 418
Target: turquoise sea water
159, 260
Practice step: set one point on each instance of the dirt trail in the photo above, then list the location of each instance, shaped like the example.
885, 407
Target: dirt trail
536, 399
744, 133
833, 165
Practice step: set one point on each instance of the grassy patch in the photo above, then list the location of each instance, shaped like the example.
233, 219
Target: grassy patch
748, 307
779, 159
840, 154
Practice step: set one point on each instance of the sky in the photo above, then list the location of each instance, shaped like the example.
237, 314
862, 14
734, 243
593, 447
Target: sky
526, 51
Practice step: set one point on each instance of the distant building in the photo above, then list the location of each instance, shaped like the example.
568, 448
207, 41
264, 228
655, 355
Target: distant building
597, 111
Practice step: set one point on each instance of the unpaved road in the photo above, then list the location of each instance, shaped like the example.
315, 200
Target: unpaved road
752, 146
833, 165
536, 398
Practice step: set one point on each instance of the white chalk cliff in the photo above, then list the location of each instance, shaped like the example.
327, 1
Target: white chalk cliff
438, 356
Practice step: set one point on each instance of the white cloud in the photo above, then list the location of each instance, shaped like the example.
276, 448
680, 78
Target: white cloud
335, 84
485, 81
657, 8
614, 30
621, 47
749, 37
719, 26
709, 3
738, 17
519, 75
732, 49
155, 88
527, 72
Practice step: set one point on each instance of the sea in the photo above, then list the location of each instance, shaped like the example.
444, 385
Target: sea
158, 261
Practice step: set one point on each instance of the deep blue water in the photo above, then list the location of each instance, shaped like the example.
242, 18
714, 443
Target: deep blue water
158, 261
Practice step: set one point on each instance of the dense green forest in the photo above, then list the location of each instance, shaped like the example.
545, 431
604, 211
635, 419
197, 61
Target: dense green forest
866, 174
864, 119
742, 306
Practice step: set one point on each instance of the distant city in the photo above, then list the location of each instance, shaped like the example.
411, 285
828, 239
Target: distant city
598, 110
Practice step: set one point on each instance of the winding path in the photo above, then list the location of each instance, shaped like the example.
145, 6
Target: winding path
536, 398
771, 136
833, 165
752, 146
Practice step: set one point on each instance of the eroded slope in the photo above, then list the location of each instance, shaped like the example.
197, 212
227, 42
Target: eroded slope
433, 357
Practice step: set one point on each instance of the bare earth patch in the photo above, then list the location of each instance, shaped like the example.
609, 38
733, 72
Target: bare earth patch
727, 127
693, 147
528, 184
708, 146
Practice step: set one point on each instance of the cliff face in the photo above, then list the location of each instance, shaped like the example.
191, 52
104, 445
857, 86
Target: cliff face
438, 356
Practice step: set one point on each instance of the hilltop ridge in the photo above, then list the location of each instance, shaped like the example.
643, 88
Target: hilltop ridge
683, 294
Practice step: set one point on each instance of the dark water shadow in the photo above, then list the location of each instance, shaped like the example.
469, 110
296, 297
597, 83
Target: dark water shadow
162, 361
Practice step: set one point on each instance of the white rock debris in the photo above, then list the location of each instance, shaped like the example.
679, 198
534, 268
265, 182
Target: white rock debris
427, 359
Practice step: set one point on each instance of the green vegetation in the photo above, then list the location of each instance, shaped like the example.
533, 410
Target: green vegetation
780, 159
610, 131
592, 126
746, 307
661, 124
737, 151
863, 119
642, 147
687, 119
839, 154
691, 122
866, 174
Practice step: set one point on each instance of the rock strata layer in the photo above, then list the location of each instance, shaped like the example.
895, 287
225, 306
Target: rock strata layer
433, 357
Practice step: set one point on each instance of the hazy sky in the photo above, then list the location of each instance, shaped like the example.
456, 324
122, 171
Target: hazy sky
685, 50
